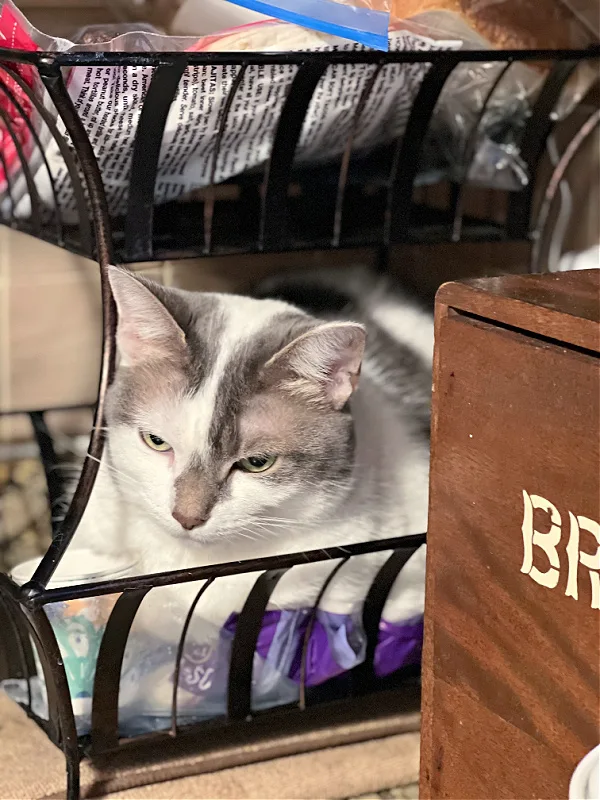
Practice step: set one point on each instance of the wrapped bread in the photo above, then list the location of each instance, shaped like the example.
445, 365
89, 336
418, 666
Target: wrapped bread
506, 24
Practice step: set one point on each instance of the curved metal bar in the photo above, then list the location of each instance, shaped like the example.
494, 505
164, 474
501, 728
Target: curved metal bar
25, 117
48, 457
407, 153
179, 655
277, 174
469, 153
139, 221
52, 78
36, 214
103, 59
209, 203
555, 179
60, 707
105, 698
247, 630
364, 674
8, 187
156, 579
533, 143
85, 229
18, 645
309, 630
345, 164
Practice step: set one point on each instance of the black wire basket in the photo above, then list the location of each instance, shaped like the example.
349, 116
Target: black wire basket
333, 206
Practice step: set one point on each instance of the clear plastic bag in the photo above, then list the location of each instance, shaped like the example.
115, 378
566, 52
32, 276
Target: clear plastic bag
364, 25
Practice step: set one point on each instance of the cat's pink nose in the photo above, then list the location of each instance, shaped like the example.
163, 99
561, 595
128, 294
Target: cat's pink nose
189, 523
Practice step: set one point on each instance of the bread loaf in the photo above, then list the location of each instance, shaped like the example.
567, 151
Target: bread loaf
520, 24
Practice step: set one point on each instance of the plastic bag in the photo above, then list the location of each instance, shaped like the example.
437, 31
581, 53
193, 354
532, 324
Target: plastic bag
363, 25
336, 643
109, 101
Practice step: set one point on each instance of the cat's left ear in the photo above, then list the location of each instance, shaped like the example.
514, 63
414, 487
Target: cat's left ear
322, 365
146, 331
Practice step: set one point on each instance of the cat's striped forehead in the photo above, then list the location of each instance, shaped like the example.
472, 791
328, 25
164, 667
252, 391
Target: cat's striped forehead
230, 339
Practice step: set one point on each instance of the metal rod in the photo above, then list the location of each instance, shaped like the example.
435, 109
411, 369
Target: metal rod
36, 214
469, 153
345, 164
53, 81
407, 155
84, 225
33, 133
48, 457
557, 176
60, 708
209, 203
364, 674
277, 175
139, 220
63, 593
105, 697
107, 59
247, 631
8, 187
309, 630
533, 142
179, 654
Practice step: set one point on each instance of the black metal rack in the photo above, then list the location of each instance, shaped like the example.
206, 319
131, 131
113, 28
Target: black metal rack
264, 217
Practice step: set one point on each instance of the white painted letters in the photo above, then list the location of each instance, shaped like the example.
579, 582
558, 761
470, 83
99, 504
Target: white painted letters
548, 543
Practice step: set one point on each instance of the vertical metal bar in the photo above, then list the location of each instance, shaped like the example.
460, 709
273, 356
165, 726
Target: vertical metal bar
468, 155
16, 648
533, 142
36, 213
139, 221
407, 153
85, 229
309, 629
247, 630
105, 701
48, 457
60, 707
179, 655
557, 176
9, 192
364, 674
51, 76
209, 203
33, 133
272, 234
345, 164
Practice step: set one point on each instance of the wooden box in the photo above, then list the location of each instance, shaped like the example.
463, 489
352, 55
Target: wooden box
511, 697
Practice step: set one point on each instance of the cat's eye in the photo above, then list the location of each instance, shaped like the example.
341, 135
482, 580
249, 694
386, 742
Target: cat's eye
256, 463
155, 442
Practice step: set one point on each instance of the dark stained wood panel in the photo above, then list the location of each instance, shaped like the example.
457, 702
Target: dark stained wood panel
511, 664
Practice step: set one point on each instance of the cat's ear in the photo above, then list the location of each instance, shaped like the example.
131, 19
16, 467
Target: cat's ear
145, 329
322, 365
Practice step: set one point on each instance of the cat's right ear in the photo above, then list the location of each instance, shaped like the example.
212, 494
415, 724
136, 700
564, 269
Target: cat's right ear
145, 329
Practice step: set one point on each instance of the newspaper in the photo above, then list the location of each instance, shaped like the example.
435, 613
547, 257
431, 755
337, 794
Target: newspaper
109, 101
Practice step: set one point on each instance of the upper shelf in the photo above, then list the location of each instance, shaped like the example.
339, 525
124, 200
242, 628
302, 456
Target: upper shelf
145, 156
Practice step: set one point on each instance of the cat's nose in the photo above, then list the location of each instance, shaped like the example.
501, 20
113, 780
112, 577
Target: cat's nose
187, 522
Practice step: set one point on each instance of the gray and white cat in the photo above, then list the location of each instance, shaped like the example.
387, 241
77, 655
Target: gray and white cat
241, 427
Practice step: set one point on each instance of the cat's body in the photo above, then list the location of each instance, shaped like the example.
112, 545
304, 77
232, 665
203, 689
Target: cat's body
219, 377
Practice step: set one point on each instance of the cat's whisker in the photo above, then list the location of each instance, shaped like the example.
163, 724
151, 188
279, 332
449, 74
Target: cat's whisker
114, 469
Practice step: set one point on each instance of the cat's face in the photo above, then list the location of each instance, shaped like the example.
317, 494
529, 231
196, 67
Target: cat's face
229, 415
